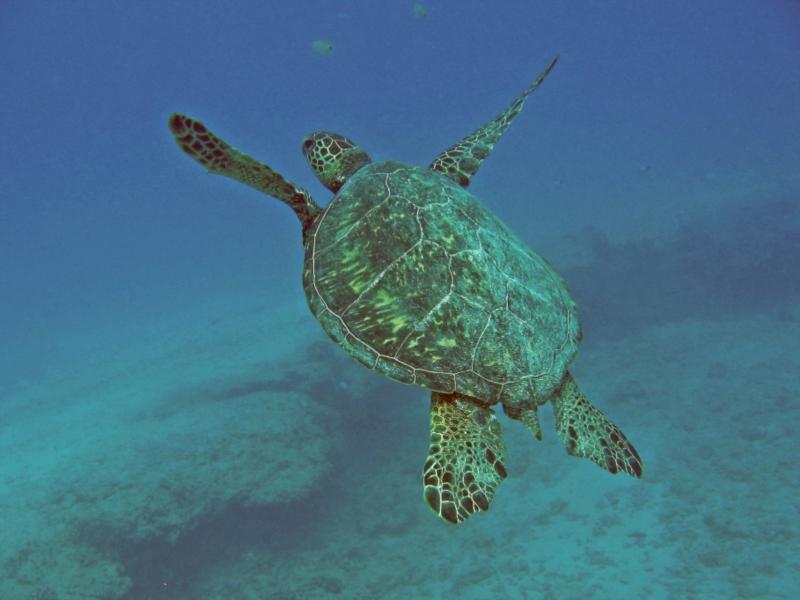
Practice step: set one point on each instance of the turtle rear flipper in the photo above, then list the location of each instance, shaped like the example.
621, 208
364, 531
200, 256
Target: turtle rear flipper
465, 461
588, 433
216, 155
461, 161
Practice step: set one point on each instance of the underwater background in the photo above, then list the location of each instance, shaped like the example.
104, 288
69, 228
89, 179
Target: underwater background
173, 422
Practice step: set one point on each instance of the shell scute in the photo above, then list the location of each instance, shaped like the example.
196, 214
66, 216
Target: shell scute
400, 297
446, 338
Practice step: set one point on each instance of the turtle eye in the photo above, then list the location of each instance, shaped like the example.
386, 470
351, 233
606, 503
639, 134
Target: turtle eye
307, 144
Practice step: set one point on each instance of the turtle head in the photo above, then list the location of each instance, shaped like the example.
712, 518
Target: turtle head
333, 158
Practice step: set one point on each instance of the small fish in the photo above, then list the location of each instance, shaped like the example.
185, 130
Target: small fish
420, 11
322, 47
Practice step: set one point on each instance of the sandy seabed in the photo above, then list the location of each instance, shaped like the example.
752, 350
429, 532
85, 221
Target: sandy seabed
246, 457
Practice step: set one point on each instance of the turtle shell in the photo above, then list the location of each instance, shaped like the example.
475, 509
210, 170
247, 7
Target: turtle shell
416, 279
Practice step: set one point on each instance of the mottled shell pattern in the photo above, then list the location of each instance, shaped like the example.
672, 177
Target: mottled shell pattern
416, 279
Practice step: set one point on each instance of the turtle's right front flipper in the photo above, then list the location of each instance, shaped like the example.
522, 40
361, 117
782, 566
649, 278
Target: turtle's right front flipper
465, 461
217, 156
461, 161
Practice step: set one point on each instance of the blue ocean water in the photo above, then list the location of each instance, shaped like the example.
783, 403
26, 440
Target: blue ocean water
174, 423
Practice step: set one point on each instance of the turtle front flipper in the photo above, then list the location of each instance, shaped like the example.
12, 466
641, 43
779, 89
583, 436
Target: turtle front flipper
196, 140
465, 460
588, 433
461, 161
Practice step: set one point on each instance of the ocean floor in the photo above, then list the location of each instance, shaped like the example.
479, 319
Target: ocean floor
168, 481
248, 458
102, 466
710, 405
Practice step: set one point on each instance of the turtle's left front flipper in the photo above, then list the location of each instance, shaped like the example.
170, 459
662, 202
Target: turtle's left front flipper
465, 461
216, 155
462, 160
588, 433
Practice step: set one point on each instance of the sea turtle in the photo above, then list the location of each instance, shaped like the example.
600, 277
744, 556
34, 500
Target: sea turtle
416, 279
